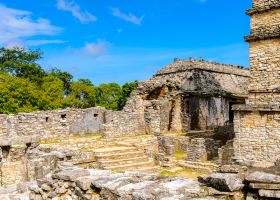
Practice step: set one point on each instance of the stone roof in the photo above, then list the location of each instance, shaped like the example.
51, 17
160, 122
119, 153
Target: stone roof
199, 77
180, 65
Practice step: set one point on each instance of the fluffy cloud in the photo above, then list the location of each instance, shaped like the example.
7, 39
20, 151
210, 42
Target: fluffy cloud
70, 6
17, 25
127, 17
97, 49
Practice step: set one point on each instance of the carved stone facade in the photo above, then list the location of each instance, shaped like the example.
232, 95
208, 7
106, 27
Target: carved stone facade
257, 124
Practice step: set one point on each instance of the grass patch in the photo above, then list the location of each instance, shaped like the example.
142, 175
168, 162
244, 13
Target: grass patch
51, 142
86, 135
180, 155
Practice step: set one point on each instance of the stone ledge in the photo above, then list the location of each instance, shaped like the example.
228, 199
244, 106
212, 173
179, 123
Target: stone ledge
252, 38
251, 108
263, 9
10, 140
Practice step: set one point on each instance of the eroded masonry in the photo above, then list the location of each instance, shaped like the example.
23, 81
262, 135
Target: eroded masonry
191, 118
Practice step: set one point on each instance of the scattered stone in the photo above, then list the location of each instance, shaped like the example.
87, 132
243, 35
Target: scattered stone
46, 188
223, 182
232, 169
266, 186
262, 177
71, 175
84, 183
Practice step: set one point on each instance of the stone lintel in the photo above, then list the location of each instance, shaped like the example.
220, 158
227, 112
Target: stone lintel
251, 108
267, 36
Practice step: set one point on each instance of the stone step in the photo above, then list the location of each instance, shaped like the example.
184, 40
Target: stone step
198, 165
116, 162
115, 156
130, 167
149, 169
104, 151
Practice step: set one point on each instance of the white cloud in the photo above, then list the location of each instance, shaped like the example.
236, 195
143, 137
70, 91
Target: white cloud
70, 6
97, 49
127, 17
42, 42
17, 25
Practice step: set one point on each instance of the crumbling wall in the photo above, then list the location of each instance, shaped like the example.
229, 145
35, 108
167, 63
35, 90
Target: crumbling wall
226, 154
121, 123
55, 124
157, 115
197, 150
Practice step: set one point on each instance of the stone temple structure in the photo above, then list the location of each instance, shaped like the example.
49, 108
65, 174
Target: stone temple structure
257, 123
191, 95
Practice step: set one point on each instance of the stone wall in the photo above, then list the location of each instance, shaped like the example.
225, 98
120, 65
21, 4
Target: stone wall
208, 112
264, 58
265, 23
260, 4
89, 121
257, 124
257, 137
121, 123
56, 124
197, 150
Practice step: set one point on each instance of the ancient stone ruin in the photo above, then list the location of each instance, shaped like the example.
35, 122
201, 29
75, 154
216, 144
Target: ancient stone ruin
195, 130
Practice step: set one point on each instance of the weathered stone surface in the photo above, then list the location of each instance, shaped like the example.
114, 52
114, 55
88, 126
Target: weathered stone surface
232, 169
223, 181
71, 175
257, 122
266, 186
270, 193
84, 183
262, 177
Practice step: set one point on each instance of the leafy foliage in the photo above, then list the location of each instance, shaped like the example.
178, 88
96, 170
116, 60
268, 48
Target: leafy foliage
26, 87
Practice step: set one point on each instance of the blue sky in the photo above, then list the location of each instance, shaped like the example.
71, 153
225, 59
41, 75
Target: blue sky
126, 40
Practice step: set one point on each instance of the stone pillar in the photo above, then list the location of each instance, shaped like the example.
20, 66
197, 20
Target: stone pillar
197, 150
257, 123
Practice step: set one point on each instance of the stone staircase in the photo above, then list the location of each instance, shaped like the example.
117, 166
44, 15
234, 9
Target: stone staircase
123, 159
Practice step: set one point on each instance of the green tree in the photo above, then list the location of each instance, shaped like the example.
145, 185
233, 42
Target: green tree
107, 95
22, 63
65, 77
52, 89
18, 95
82, 94
127, 88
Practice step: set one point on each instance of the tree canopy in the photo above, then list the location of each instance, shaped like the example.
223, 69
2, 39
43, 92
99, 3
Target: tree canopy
25, 86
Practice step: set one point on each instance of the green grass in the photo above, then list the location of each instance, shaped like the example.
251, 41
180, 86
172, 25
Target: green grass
50, 142
180, 155
86, 135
